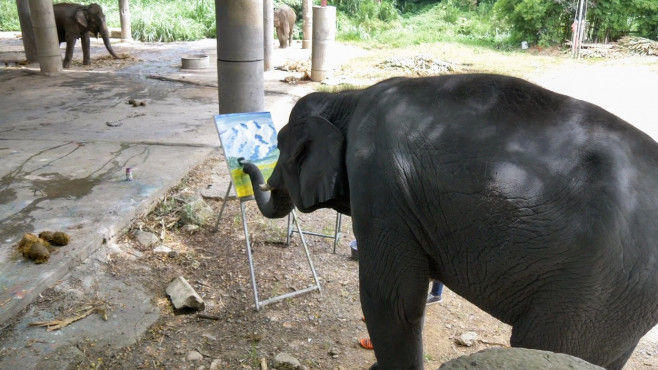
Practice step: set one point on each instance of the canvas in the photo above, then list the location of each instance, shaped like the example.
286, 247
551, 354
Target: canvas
251, 136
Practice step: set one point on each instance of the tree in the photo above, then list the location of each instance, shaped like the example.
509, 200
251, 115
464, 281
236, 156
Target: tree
537, 21
549, 21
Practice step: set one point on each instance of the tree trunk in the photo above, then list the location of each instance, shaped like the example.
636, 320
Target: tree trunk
124, 15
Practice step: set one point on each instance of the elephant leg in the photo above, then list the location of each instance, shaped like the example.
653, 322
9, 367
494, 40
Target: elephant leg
68, 56
86, 45
393, 286
569, 331
286, 35
621, 361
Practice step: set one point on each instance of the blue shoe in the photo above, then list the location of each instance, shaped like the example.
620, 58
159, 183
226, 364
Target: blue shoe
432, 299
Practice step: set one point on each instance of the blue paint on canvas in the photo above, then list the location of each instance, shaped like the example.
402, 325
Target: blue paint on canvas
251, 136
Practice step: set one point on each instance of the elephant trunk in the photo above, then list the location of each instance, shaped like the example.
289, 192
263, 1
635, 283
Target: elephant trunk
105, 34
272, 203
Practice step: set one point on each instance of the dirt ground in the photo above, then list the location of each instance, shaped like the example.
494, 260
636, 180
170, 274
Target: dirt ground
321, 330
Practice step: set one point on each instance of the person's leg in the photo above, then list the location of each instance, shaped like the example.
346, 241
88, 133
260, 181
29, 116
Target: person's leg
435, 293
437, 288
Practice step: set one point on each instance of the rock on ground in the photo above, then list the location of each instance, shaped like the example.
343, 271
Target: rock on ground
518, 359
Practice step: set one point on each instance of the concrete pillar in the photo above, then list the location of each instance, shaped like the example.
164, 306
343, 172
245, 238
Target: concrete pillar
240, 51
124, 16
45, 34
29, 43
307, 26
268, 32
324, 34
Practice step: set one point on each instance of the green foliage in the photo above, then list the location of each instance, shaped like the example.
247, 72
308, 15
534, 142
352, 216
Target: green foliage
537, 21
365, 10
645, 22
174, 21
9, 16
549, 21
400, 22
451, 20
613, 19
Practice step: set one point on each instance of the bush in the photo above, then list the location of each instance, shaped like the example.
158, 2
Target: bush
9, 16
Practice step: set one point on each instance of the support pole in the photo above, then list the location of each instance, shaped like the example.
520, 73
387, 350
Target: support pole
240, 63
268, 32
307, 27
124, 15
45, 34
324, 34
29, 43
578, 30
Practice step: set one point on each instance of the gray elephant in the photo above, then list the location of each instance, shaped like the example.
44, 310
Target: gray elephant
284, 22
76, 21
539, 208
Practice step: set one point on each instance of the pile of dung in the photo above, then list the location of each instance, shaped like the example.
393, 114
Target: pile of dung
39, 248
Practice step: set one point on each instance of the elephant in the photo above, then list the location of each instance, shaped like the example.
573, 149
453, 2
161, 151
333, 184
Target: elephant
284, 22
76, 21
539, 208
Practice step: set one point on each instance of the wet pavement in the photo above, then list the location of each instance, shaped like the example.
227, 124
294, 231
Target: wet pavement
66, 141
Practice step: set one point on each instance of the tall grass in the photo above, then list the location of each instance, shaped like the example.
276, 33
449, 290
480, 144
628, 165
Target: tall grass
165, 20
378, 24
442, 21
151, 20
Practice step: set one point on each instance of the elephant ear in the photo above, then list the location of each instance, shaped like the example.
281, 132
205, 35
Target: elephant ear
320, 161
81, 17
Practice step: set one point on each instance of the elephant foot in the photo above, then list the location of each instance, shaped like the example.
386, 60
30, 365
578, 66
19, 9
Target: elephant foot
87, 62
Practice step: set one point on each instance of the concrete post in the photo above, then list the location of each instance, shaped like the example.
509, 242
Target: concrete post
324, 34
45, 34
268, 32
307, 27
29, 43
124, 16
240, 51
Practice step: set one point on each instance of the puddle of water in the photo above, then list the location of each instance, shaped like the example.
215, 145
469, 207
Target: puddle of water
7, 196
56, 186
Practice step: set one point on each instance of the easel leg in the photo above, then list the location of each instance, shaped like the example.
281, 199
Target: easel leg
308, 255
293, 222
251, 262
290, 230
221, 211
339, 224
281, 297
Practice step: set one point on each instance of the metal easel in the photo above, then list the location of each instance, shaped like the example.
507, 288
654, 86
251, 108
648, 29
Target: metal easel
293, 223
336, 237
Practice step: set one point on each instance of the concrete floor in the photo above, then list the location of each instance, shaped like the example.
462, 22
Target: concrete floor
66, 141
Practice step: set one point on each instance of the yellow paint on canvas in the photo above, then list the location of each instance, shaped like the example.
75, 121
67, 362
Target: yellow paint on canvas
242, 182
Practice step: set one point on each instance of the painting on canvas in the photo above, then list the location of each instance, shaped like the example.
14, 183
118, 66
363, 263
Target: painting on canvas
251, 136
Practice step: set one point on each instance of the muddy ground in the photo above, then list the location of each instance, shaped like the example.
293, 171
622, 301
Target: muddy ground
321, 330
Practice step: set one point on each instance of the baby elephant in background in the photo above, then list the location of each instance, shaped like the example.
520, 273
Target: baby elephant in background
75, 21
284, 21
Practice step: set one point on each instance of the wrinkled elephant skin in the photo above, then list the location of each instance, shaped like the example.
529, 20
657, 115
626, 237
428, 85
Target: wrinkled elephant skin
76, 21
539, 208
